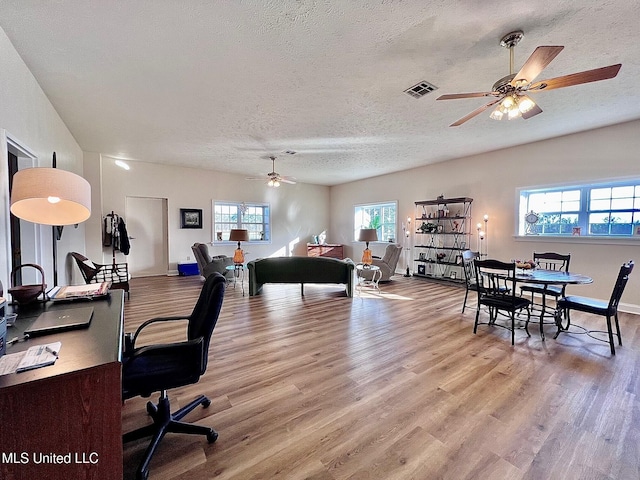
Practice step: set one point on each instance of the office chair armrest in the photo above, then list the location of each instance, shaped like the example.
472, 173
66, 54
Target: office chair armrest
154, 320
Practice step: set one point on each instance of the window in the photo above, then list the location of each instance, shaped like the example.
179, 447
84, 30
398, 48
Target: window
253, 217
611, 210
381, 216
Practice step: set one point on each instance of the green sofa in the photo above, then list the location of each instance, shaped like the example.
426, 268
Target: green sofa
300, 270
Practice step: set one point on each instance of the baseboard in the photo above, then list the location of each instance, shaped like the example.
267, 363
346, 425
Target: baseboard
629, 308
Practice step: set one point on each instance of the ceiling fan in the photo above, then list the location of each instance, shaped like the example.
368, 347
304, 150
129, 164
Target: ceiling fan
274, 179
510, 92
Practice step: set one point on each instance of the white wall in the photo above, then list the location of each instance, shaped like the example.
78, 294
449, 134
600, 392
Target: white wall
27, 116
297, 211
491, 180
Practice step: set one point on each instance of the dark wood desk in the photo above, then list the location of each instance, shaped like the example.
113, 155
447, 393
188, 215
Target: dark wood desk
66, 416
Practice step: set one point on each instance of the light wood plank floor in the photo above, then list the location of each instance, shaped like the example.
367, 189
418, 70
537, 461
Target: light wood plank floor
391, 386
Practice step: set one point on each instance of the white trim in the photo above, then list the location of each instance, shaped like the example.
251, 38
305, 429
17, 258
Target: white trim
9, 143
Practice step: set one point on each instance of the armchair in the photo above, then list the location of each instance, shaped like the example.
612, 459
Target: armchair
387, 263
208, 264
159, 367
117, 273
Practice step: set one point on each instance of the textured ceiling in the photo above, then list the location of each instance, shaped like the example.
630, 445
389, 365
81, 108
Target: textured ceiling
222, 84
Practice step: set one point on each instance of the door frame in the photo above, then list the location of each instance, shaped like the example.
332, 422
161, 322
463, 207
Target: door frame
34, 234
165, 229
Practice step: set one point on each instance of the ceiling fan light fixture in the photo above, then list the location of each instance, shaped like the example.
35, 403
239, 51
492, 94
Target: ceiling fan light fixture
525, 104
496, 114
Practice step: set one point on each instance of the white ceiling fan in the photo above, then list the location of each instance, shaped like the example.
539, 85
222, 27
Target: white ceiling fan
274, 179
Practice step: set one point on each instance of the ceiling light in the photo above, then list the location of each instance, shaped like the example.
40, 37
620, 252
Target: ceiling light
525, 104
513, 106
121, 164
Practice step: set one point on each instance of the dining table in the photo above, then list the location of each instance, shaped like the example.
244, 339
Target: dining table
545, 278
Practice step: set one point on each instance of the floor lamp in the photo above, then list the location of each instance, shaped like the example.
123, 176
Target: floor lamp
49, 196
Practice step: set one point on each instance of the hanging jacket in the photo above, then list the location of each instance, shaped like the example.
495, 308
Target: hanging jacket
124, 244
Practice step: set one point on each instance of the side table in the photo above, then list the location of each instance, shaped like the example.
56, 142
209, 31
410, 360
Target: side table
238, 273
375, 279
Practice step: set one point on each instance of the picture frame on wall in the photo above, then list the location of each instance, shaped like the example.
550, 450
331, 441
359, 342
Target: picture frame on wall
190, 218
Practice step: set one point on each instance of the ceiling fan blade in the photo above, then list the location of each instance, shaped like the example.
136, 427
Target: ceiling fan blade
455, 96
477, 111
288, 180
579, 78
532, 113
255, 178
539, 59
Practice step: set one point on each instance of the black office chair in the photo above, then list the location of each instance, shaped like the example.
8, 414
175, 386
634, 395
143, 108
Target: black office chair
496, 290
157, 368
597, 307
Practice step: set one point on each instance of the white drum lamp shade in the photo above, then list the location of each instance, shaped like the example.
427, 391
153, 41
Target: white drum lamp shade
50, 196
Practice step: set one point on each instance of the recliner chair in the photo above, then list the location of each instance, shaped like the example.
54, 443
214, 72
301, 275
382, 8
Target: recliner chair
387, 263
157, 368
208, 264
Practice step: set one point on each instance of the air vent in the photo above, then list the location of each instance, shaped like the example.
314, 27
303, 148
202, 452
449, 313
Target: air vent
420, 90
290, 152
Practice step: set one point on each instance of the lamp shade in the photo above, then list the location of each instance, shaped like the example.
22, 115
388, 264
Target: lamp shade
368, 235
238, 235
50, 196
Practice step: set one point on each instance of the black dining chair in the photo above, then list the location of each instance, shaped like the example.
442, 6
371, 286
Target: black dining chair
597, 307
468, 258
496, 291
157, 368
548, 261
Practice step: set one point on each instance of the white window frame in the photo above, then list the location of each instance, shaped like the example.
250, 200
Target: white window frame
254, 234
384, 229
583, 212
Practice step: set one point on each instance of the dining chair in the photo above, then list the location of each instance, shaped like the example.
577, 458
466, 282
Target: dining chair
496, 290
468, 258
597, 307
548, 261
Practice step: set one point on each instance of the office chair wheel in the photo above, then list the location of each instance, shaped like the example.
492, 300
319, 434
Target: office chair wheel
212, 436
206, 402
152, 408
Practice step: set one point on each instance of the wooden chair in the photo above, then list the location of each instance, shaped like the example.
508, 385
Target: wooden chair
117, 274
597, 307
496, 290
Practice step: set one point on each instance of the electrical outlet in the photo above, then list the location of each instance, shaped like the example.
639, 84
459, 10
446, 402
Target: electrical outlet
188, 257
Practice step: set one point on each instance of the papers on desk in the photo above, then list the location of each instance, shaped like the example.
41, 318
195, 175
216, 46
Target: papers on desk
72, 292
35, 357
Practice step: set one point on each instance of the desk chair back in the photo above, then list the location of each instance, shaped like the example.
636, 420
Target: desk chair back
205, 314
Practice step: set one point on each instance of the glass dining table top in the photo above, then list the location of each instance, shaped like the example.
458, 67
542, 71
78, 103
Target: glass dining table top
538, 275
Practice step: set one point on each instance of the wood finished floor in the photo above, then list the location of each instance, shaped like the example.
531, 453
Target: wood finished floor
390, 386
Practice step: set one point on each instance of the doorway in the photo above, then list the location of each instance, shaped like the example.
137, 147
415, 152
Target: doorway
24, 241
148, 234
